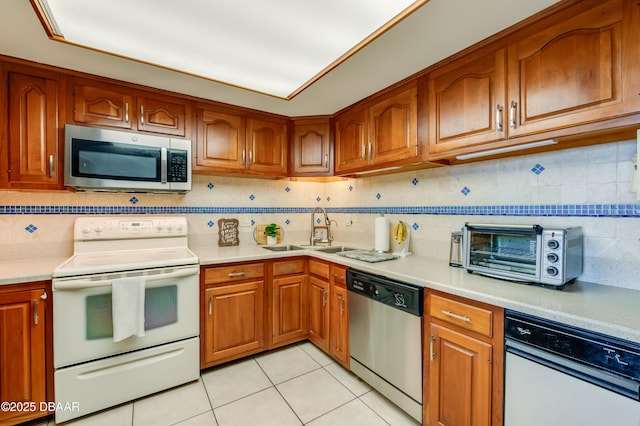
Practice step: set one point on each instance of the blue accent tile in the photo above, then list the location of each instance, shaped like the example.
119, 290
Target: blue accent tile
252, 197
328, 199
253, 222
465, 191
350, 188
133, 200
31, 228
287, 222
287, 189
537, 169
378, 195
318, 221
318, 199
211, 185
415, 226
211, 223
415, 181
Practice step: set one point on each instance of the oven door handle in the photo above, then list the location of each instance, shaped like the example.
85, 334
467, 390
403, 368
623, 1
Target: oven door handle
80, 284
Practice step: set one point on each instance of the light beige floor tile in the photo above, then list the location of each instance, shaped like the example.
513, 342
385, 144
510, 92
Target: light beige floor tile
352, 382
354, 413
171, 406
314, 352
264, 408
230, 382
286, 364
314, 394
206, 419
121, 415
386, 409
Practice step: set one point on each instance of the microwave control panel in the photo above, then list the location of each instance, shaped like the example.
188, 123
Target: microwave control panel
178, 165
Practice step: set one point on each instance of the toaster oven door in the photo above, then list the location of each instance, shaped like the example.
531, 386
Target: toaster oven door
503, 251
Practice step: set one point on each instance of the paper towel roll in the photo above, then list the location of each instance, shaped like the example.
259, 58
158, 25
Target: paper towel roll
382, 234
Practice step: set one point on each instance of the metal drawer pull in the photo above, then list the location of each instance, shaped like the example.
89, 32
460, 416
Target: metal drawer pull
456, 316
340, 277
236, 274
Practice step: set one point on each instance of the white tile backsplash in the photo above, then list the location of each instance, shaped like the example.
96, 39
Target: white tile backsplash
589, 175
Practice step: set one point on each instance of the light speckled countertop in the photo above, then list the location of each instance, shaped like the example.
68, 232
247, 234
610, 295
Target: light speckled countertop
605, 309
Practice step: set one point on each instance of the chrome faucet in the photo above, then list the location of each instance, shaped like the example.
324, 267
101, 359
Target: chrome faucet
313, 239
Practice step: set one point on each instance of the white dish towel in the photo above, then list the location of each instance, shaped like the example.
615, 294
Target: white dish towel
127, 307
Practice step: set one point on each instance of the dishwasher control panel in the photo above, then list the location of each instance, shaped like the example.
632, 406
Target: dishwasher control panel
403, 296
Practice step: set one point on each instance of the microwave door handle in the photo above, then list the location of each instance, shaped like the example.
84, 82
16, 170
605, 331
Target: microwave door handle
83, 284
163, 165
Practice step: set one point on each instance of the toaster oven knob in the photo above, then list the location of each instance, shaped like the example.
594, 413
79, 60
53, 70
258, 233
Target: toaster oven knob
552, 257
553, 244
552, 270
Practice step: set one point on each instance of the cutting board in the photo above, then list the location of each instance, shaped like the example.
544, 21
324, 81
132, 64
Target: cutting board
258, 234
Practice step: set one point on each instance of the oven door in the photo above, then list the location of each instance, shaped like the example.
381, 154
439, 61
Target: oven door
83, 324
509, 251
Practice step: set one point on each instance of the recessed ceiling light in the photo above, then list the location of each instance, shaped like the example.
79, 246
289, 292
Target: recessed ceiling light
276, 47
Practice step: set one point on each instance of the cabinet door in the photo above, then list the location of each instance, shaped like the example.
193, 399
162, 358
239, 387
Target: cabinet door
234, 320
102, 106
467, 103
311, 148
393, 128
319, 313
220, 141
289, 309
459, 379
267, 143
351, 141
339, 332
22, 352
33, 132
576, 70
161, 116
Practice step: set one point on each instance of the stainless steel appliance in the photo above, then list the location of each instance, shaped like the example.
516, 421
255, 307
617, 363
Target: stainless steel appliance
455, 249
556, 375
95, 370
528, 253
385, 337
110, 160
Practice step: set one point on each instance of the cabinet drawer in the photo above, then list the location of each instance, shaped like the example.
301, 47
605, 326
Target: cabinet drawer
461, 314
227, 274
287, 267
320, 269
339, 275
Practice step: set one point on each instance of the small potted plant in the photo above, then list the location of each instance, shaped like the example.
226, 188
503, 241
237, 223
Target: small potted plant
271, 231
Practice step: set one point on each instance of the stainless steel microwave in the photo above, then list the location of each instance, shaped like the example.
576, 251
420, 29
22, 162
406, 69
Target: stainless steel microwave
111, 160
527, 253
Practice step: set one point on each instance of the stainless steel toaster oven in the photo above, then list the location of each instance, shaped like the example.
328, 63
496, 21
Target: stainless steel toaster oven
527, 253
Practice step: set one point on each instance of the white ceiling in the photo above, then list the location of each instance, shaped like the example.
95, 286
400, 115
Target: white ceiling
435, 31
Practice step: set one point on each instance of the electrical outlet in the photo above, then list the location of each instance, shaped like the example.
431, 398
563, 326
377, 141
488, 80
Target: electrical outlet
245, 220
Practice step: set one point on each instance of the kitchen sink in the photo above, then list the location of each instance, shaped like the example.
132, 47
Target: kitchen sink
282, 248
335, 249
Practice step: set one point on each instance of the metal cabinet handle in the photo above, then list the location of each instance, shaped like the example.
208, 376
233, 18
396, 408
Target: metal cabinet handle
499, 118
126, 112
432, 354
244, 157
35, 312
51, 165
324, 297
456, 316
369, 148
326, 160
340, 277
142, 114
341, 304
364, 151
236, 274
210, 305
512, 114
250, 157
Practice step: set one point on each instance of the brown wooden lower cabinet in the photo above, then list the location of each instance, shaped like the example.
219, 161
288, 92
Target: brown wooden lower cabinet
463, 355
23, 378
319, 312
289, 308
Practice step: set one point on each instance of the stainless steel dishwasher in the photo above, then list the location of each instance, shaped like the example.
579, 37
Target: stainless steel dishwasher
385, 337
556, 375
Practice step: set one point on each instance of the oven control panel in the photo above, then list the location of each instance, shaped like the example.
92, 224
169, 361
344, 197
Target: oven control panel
114, 228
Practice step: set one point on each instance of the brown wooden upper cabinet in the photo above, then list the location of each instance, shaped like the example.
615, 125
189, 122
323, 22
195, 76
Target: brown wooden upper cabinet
232, 143
378, 133
124, 108
30, 155
577, 67
311, 153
